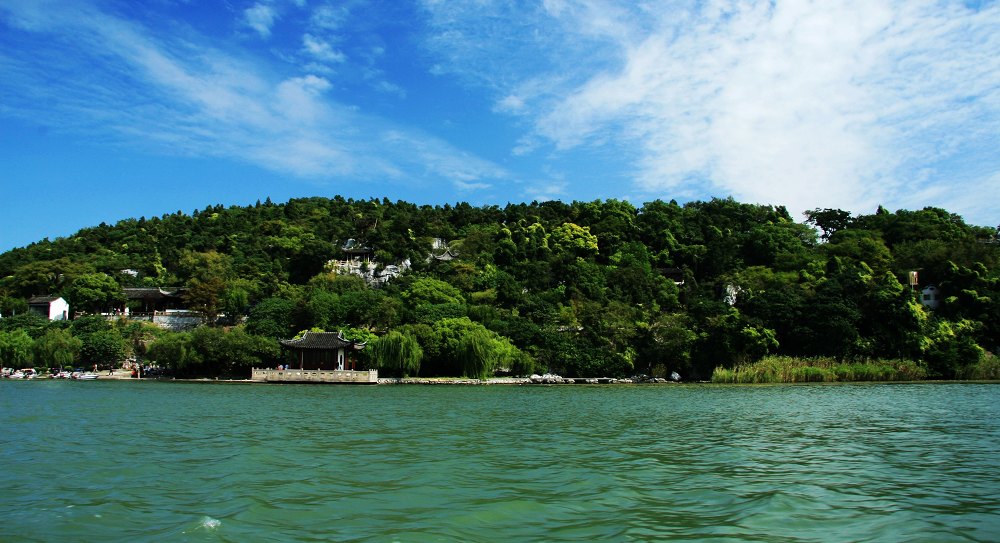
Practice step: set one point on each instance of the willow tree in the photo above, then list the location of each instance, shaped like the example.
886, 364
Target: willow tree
477, 354
483, 353
397, 353
15, 348
57, 348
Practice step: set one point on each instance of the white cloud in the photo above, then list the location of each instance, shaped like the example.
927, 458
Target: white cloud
329, 17
261, 18
299, 99
510, 104
321, 50
470, 186
185, 97
802, 104
386, 87
842, 103
547, 190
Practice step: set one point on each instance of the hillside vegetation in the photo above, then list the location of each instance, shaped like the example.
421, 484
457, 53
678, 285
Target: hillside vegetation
597, 288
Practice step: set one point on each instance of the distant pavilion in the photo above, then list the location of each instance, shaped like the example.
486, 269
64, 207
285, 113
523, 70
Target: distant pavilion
324, 351
322, 357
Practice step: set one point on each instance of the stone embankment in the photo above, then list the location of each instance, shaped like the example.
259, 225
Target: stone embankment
547, 379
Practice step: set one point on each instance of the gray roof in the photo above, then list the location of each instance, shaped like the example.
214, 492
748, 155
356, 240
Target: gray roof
152, 293
47, 299
322, 340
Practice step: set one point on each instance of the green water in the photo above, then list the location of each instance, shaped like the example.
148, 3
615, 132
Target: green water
146, 461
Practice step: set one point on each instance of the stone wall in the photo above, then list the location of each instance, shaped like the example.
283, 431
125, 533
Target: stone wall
177, 320
314, 376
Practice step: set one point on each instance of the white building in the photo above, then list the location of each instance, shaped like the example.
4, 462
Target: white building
930, 296
53, 308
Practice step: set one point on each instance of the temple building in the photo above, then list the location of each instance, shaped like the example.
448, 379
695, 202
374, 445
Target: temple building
320, 357
148, 300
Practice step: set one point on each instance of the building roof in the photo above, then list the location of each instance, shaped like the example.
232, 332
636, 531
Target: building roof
322, 340
47, 299
152, 293
353, 246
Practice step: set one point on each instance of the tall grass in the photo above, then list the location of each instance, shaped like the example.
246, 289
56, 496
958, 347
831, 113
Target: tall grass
786, 369
986, 369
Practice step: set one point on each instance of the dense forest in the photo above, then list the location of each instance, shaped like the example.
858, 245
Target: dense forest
597, 288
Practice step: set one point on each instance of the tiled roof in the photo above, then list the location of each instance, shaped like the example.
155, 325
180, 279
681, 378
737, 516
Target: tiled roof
42, 299
321, 340
151, 293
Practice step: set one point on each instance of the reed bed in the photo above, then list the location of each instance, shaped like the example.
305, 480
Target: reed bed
786, 369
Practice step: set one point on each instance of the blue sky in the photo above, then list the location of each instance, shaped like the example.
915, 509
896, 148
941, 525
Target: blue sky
110, 110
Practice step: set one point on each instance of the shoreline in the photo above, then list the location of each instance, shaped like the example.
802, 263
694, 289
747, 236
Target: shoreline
519, 381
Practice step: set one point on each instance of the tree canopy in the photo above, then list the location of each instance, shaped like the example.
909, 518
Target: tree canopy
578, 288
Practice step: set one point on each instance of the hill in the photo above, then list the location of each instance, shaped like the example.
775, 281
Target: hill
580, 288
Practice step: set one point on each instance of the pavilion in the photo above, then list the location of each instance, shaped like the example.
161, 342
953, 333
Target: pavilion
321, 357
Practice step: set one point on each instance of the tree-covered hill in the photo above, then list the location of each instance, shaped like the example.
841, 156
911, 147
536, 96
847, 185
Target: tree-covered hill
581, 288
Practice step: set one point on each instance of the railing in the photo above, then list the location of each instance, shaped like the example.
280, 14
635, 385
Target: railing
314, 376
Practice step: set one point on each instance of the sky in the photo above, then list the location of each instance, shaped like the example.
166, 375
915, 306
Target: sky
112, 110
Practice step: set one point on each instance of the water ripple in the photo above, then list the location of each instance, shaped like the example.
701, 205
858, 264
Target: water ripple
213, 462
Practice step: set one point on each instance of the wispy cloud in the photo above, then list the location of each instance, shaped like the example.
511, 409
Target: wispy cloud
844, 103
321, 50
260, 18
185, 96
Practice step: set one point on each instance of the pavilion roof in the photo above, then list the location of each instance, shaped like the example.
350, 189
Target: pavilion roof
322, 340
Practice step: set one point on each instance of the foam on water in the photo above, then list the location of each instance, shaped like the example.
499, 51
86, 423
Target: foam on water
210, 523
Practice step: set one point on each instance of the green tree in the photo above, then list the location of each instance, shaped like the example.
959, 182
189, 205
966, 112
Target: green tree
243, 351
829, 221
397, 353
89, 324
670, 340
31, 323
573, 241
950, 346
15, 349
427, 290
446, 354
730, 339
139, 335
95, 293
104, 349
477, 354
44, 276
172, 350
236, 298
481, 353
57, 349
273, 317
10, 306
209, 273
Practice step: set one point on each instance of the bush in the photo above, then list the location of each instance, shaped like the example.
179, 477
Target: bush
986, 369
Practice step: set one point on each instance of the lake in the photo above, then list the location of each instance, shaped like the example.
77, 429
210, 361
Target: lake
161, 461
